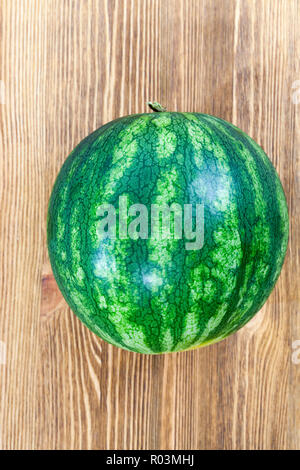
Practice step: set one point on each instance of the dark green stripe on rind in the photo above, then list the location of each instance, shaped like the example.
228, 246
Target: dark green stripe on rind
223, 263
273, 218
72, 188
155, 296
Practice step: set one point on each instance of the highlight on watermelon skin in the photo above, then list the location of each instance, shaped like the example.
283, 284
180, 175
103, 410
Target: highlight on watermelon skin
167, 231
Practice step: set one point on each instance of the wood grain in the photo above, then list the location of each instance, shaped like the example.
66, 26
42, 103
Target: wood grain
67, 67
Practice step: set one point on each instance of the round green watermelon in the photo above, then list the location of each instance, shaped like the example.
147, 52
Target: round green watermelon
167, 231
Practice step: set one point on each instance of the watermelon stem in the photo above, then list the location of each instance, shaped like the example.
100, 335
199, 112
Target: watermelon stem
155, 106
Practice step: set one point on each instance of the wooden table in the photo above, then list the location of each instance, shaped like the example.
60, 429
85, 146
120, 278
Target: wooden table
67, 67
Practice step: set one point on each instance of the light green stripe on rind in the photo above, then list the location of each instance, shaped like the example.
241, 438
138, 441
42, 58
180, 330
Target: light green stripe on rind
121, 292
280, 199
77, 295
263, 249
156, 271
260, 231
201, 289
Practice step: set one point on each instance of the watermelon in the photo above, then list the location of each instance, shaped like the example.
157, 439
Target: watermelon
156, 291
